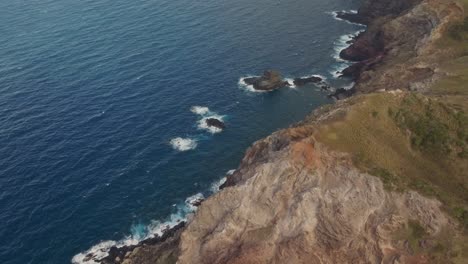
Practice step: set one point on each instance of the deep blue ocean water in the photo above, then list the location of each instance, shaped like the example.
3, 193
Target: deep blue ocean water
92, 92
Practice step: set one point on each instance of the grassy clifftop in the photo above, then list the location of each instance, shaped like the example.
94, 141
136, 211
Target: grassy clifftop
411, 142
454, 86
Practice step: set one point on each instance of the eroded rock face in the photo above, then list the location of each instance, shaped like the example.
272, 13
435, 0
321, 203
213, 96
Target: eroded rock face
401, 35
270, 80
294, 201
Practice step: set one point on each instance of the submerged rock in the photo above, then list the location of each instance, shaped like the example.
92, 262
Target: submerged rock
213, 122
306, 80
270, 80
351, 17
197, 201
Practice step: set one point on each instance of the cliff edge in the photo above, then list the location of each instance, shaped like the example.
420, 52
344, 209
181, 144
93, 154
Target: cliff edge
381, 177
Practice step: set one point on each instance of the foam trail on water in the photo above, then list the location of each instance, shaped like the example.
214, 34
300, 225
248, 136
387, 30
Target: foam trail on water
183, 144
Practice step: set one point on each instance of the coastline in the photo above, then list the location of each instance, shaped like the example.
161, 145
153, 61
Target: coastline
368, 57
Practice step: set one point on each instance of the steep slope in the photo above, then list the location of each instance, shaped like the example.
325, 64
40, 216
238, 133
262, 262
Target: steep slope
376, 178
400, 50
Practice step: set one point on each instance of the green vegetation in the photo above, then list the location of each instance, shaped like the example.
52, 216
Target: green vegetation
435, 128
459, 32
410, 141
455, 43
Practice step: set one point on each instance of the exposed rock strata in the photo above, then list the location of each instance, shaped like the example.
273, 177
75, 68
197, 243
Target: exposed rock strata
398, 50
294, 201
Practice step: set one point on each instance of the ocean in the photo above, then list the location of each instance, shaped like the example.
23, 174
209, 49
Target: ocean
102, 105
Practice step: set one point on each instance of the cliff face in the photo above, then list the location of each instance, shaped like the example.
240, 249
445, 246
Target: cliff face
400, 48
305, 204
355, 182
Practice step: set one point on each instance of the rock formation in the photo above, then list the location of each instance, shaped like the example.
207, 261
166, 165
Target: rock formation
270, 80
342, 186
307, 80
401, 38
213, 122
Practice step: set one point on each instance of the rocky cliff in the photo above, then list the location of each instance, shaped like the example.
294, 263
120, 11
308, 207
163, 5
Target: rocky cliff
376, 178
400, 50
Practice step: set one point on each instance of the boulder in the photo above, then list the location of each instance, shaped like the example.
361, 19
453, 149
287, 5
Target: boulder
213, 122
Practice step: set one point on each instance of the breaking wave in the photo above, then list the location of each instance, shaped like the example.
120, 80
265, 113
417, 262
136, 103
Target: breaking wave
142, 232
183, 144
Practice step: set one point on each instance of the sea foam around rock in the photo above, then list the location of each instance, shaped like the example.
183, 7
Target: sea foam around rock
205, 113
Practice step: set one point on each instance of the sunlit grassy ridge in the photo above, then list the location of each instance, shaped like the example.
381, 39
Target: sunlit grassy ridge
455, 84
418, 142
411, 142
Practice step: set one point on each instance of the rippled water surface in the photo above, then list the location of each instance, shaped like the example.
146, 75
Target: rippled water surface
93, 93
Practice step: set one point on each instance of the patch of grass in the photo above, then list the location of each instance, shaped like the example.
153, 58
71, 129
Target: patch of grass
455, 43
390, 181
459, 31
434, 128
416, 143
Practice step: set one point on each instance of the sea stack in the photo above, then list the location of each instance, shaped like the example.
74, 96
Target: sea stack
269, 81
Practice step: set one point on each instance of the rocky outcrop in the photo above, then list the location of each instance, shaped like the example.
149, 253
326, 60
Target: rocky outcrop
307, 80
294, 199
400, 40
214, 122
270, 80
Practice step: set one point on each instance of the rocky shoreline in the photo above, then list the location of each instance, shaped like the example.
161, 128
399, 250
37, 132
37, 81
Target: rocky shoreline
295, 200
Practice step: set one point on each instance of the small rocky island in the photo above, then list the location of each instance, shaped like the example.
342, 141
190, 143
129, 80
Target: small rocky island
214, 122
269, 81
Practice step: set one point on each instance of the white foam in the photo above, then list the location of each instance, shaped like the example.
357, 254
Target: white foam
340, 45
139, 233
335, 16
194, 199
200, 110
183, 144
337, 70
291, 82
316, 75
205, 114
216, 185
202, 125
250, 88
